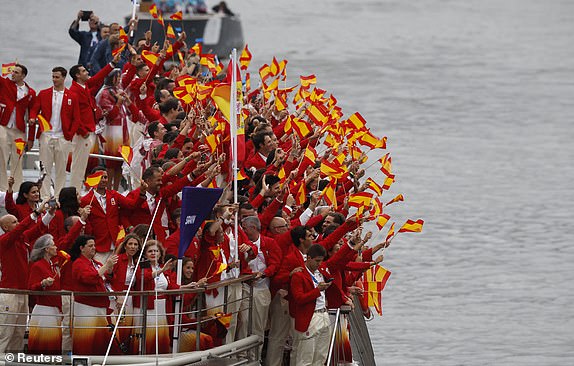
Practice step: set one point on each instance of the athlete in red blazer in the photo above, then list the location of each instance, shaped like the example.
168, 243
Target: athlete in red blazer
9, 101
105, 224
70, 112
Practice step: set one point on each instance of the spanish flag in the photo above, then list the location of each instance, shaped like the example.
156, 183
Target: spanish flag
124, 36
317, 113
412, 226
93, 180
20, 146
361, 199
182, 93
329, 193
382, 220
310, 155
177, 16
306, 81
150, 58
153, 11
222, 267
7, 68
127, 153
221, 95
301, 127
398, 198
45, 126
301, 196
371, 184
118, 50
245, 58
390, 180
170, 33
386, 165
391, 232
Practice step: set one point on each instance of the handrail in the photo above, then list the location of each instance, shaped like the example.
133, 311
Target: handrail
195, 323
36, 152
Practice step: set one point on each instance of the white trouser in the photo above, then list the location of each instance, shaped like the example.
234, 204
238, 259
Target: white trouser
312, 346
81, 148
54, 152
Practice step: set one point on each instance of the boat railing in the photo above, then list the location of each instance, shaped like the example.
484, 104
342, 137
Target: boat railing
197, 322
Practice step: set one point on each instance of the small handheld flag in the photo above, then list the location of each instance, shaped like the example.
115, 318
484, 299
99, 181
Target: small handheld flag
93, 180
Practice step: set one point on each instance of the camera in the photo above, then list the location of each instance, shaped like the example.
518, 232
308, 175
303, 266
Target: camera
86, 14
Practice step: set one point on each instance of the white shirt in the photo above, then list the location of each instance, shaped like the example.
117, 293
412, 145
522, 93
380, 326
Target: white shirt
95, 39
258, 264
151, 202
101, 200
22, 92
55, 120
317, 277
232, 273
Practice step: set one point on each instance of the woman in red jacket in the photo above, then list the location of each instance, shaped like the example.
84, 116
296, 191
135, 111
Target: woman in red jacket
26, 202
123, 272
45, 333
90, 334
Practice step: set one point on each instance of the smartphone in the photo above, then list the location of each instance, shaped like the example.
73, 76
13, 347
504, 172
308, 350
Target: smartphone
86, 14
329, 280
52, 203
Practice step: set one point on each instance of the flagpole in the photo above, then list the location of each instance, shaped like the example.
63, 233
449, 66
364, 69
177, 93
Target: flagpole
122, 309
135, 4
233, 122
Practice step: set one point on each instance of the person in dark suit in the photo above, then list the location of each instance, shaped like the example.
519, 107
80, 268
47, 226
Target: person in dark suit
86, 39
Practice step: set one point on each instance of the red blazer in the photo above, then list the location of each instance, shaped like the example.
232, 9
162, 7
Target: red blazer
8, 97
86, 279
65, 243
107, 223
255, 161
271, 253
118, 278
15, 246
303, 298
89, 109
20, 210
69, 114
140, 214
40, 270
171, 245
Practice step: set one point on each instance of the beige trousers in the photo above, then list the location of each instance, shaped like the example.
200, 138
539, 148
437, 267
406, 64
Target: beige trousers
81, 148
279, 329
312, 346
260, 312
54, 153
13, 315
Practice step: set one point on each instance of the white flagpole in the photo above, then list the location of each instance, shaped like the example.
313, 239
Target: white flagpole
178, 307
233, 122
135, 4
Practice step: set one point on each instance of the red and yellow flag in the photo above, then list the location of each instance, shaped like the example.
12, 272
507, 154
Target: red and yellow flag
245, 58
169, 32
150, 58
382, 220
361, 199
310, 155
221, 95
411, 226
372, 185
121, 234
306, 81
386, 165
356, 122
45, 125
398, 198
118, 50
93, 180
153, 11
177, 16
330, 193
317, 113
20, 146
301, 195
7, 68
390, 180
301, 127
374, 281
391, 232
126, 153
367, 139
333, 169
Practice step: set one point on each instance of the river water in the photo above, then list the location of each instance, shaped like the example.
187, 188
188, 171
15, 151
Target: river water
477, 99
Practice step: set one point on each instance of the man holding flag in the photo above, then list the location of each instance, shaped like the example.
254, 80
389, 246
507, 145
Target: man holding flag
16, 100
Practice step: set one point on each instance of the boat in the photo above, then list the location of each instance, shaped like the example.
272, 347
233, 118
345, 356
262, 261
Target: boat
218, 33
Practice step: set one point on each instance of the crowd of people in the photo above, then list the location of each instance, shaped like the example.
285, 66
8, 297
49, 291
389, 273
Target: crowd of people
305, 247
